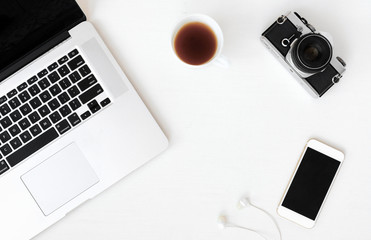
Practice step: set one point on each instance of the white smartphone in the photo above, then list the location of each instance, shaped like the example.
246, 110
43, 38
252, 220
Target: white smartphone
310, 183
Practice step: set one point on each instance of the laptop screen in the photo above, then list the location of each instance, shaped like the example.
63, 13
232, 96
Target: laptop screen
25, 25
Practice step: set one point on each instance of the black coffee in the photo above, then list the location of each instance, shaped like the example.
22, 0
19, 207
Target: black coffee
195, 43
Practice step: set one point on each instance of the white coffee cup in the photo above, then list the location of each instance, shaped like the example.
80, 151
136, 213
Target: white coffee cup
217, 59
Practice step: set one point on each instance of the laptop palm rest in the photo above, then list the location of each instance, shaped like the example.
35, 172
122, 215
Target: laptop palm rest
60, 178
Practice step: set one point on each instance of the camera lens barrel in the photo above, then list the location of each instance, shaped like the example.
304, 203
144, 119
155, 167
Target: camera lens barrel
311, 53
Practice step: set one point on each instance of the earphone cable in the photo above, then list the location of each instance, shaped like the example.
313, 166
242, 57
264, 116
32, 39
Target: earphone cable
245, 228
271, 217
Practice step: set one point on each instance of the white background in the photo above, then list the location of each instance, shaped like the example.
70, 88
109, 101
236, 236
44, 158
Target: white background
233, 132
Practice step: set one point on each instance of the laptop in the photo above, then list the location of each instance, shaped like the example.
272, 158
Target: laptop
71, 124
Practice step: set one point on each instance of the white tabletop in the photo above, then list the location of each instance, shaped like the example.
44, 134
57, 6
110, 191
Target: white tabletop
233, 132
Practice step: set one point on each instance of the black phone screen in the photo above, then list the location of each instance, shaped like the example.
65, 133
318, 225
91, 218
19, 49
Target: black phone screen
311, 183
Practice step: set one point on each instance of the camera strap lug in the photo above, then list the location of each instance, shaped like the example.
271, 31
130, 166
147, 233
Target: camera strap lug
281, 19
336, 78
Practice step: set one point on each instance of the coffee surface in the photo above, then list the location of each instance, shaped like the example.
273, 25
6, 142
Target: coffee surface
195, 43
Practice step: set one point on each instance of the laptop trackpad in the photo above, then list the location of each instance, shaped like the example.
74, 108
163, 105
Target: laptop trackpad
60, 178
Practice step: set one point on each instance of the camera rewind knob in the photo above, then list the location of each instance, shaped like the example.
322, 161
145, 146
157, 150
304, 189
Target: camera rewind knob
341, 61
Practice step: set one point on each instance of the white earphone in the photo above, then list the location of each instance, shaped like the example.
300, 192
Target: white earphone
244, 203
223, 223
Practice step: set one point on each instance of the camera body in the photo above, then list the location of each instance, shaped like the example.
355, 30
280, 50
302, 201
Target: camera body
306, 53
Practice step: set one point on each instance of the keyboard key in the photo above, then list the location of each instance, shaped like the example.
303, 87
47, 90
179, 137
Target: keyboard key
53, 77
25, 136
3, 167
24, 96
32, 80
55, 90
52, 67
44, 83
42, 73
22, 86
45, 96
84, 70
4, 136
45, 123
5, 122
4, 109
73, 91
105, 102
63, 98
73, 53
63, 60
44, 110
76, 62
87, 82
85, 115
34, 117
74, 119
35, 130
25, 109
15, 143
5, 150
55, 117
65, 110
12, 93
15, 116
31, 147
14, 103
94, 106
75, 104
35, 102
63, 126
2, 99
24, 123
34, 89
74, 77
14, 130
63, 71
65, 83
91, 93
53, 104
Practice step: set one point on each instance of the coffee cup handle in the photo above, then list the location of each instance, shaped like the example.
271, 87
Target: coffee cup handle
221, 61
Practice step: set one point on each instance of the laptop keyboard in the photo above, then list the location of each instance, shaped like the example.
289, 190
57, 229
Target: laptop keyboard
47, 106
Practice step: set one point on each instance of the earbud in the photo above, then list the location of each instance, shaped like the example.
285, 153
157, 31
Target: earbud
244, 203
222, 221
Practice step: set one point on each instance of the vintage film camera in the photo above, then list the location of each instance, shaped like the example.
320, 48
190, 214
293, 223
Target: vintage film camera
307, 53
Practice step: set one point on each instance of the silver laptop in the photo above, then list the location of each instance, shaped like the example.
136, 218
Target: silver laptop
71, 124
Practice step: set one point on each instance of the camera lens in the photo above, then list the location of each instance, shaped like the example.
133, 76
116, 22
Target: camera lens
312, 53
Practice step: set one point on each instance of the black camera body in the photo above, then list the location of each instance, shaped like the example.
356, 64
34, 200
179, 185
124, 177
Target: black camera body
306, 53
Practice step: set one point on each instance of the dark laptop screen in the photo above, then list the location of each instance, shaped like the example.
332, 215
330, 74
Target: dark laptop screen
25, 25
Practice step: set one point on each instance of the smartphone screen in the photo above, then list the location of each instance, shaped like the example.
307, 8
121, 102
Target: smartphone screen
311, 183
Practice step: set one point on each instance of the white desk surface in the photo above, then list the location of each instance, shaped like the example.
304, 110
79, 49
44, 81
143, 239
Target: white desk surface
233, 132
